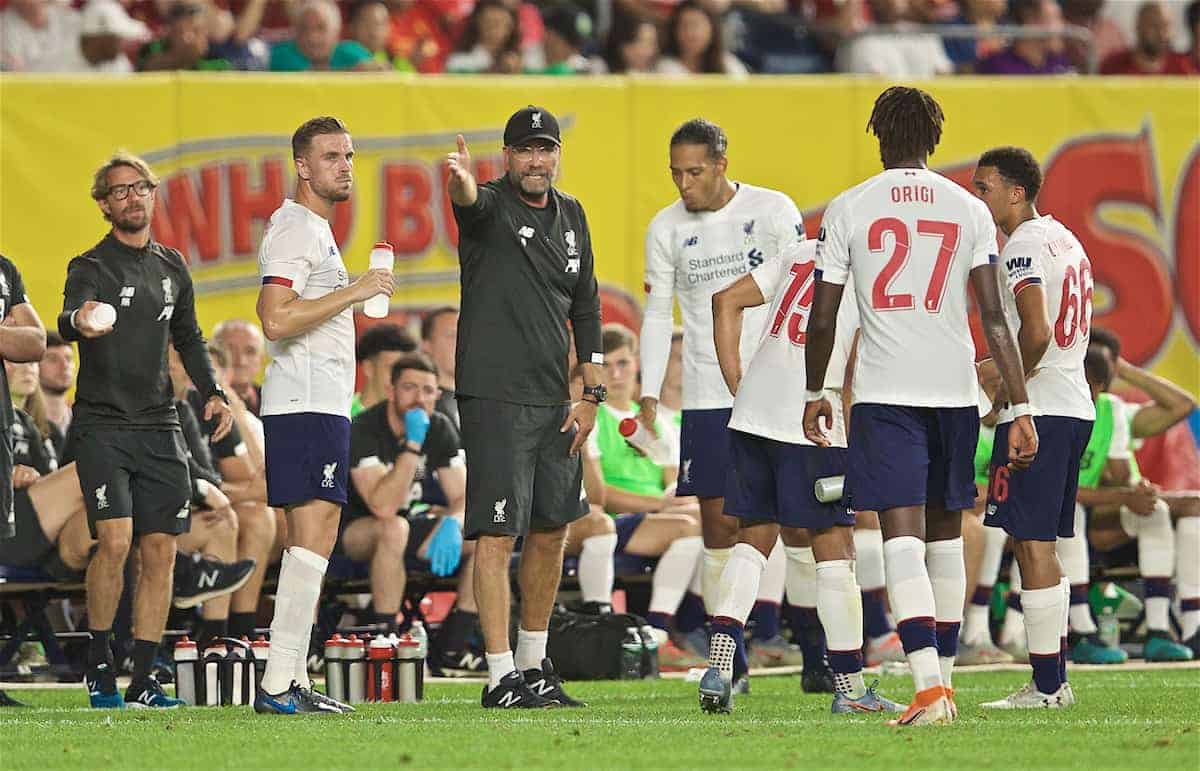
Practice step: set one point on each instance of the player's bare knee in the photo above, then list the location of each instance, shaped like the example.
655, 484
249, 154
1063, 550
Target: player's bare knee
113, 543
393, 534
795, 537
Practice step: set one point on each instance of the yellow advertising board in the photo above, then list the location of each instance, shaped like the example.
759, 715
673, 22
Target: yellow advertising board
1121, 157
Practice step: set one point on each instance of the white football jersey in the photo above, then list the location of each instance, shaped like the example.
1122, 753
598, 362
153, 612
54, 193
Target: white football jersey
910, 238
313, 371
769, 400
1041, 251
694, 255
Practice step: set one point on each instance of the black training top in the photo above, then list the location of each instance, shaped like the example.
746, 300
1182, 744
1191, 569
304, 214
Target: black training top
12, 294
373, 443
123, 378
525, 273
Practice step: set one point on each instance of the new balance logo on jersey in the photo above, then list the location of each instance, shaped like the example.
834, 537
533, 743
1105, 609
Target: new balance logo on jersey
500, 517
207, 579
691, 241
756, 258
168, 298
102, 497
126, 295
328, 472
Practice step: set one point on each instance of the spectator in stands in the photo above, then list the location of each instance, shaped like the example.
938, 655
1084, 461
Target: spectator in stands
567, 30
316, 27
184, 45
1152, 54
639, 492
1031, 55
491, 42
105, 30
371, 26
632, 45
397, 447
439, 339
56, 375
1193, 24
898, 52
235, 41
243, 343
38, 36
377, 350
695, 44
982, 15
422, 33
1108, 35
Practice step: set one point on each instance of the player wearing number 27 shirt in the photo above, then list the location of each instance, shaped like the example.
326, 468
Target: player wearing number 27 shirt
911, 240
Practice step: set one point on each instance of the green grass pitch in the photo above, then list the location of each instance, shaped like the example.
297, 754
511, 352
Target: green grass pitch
1124, 720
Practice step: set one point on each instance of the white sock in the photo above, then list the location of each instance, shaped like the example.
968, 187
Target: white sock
801, 577
531, 649
868, 560
1076, 567
839, 606
300, 574
710, 578
994, 541
770, 588
948, 577
1187, 573
499, 665
975, 629
1014, 620
1043, 610
596, 571
1156, 557
673, 574
1079, 617
910, 594
739, 582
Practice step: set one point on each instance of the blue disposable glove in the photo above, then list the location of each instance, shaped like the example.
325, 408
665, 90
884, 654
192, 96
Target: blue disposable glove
416, 425
445, 547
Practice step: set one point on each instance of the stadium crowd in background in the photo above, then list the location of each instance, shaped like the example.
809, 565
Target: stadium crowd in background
897, 38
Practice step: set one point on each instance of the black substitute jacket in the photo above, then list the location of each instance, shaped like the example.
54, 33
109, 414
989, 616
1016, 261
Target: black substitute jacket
123, 379
525, 273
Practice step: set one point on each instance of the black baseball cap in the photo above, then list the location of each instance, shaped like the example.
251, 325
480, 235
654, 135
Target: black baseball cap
531, 123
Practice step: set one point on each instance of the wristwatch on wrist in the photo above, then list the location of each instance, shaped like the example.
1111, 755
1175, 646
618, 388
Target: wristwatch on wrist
598, 392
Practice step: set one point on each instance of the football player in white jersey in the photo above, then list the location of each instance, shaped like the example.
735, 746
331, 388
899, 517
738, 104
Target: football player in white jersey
772, 479
305, 309
1045, 281
912, 239
715, 233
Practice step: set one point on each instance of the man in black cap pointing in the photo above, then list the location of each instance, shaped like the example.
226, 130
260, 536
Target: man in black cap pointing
526, 265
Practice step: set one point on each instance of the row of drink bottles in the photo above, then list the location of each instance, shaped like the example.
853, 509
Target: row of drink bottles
226, 673
359, 668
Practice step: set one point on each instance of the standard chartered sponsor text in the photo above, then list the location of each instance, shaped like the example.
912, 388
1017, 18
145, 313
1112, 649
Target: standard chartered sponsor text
704, 269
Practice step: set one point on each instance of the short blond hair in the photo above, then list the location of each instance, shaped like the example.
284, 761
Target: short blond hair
100, 186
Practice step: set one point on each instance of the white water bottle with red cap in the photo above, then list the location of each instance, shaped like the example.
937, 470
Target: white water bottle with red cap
653, 446
382, 257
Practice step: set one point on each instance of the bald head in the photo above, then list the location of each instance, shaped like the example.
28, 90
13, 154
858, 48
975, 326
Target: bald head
242, 342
